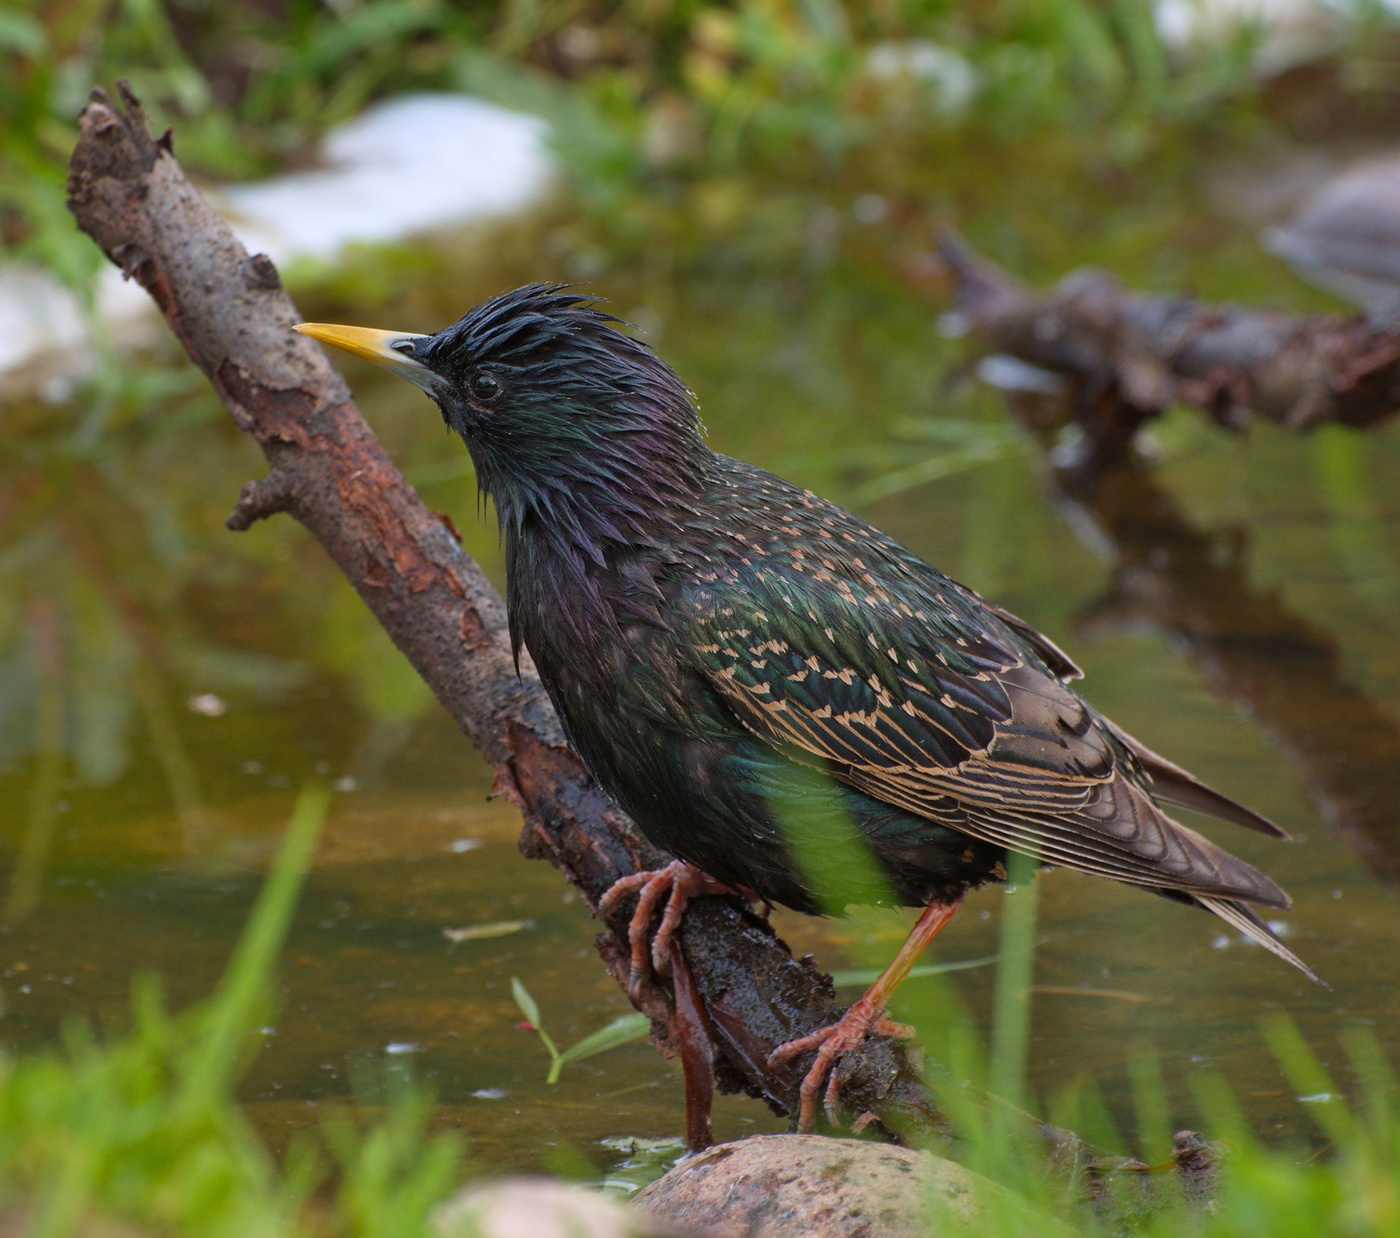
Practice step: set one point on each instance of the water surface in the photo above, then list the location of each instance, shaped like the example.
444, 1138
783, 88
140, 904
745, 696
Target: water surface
167, 685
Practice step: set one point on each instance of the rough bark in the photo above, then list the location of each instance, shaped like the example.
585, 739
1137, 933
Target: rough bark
327, 470
1130, 356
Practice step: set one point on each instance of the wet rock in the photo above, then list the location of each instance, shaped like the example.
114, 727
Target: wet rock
810, 1186
543, 1208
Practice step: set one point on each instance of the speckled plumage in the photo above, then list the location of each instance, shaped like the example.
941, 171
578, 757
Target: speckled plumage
730, 653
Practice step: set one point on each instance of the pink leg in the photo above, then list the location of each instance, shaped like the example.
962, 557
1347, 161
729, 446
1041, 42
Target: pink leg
865, 1017
677, 883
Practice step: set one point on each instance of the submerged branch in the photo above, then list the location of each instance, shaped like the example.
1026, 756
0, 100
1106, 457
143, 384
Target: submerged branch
328, 470
1130, 356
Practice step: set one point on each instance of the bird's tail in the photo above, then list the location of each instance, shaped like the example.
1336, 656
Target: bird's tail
1243, 917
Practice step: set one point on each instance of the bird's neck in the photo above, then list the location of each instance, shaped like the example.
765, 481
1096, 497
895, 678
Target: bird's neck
580, 554
595, 507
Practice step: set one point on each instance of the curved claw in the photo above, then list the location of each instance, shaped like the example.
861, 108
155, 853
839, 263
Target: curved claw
677, 883
830, 1042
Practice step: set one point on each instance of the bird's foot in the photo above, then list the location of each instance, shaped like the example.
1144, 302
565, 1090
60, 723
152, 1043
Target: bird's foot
677, 883
862, 1019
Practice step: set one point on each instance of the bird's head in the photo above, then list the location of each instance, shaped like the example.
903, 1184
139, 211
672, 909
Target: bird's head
569, 421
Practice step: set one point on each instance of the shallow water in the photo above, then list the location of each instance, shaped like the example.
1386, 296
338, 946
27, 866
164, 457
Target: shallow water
167, 685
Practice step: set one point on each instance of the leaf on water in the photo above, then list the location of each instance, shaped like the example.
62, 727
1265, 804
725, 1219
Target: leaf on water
1063, 990
622, 1030
868, 975
478, 932
523, 999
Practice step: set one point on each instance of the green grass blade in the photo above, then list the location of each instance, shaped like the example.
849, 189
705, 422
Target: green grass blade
1150, 1103
531, 1010
1011, 1018
1314, 1086
232, 1010
621, 1031
528, 1007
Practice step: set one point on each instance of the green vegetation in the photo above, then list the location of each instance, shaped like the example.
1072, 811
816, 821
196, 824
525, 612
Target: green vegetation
621, 1031
1345, 1183
717, 152
1350, 1189
141, 1128
639, 92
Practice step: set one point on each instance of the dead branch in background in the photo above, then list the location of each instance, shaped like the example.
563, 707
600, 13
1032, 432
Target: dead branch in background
1130, 356
742, 988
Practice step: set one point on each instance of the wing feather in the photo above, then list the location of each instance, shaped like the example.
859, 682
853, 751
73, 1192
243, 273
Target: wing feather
942, 705
1174, 785
1241, 916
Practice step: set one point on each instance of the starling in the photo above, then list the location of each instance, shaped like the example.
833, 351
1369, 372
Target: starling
760, 678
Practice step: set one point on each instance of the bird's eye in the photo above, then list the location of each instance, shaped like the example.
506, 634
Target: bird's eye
484, 385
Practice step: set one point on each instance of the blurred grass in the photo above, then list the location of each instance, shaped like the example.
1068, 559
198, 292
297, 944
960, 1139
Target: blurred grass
140, 1128
1343, 1182
638, 92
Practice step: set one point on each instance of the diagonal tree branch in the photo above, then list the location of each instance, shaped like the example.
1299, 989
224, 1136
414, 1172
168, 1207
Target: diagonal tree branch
327, 469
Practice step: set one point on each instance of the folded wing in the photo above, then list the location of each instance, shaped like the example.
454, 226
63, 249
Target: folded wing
931, 700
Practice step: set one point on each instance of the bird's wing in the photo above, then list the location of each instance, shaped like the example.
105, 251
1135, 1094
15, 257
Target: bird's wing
925, 699
1056, 660
1173, 785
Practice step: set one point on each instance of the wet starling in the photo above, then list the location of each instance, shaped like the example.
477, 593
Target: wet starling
758, 676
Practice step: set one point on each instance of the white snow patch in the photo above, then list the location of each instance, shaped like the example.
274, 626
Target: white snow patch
953, 80
404, 166
1289, 32
407, 165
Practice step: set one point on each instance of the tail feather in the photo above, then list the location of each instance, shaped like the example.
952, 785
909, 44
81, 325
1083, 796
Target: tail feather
1243, 917
1173, 785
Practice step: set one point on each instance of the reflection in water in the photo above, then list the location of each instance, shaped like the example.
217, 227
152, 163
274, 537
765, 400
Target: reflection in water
1247, 645
1339, 457
37, 840
113, 516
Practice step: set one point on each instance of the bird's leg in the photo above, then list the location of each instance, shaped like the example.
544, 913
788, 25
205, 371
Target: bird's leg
677, 883
866, 1016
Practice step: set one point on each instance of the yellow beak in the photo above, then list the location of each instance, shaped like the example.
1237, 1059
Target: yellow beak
373, 345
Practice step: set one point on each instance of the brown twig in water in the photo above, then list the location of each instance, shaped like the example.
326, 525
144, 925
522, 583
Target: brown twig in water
328, 471
1130, 356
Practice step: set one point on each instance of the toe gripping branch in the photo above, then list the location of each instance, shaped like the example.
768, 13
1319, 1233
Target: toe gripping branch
865, 1017
660, 955
677, 883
